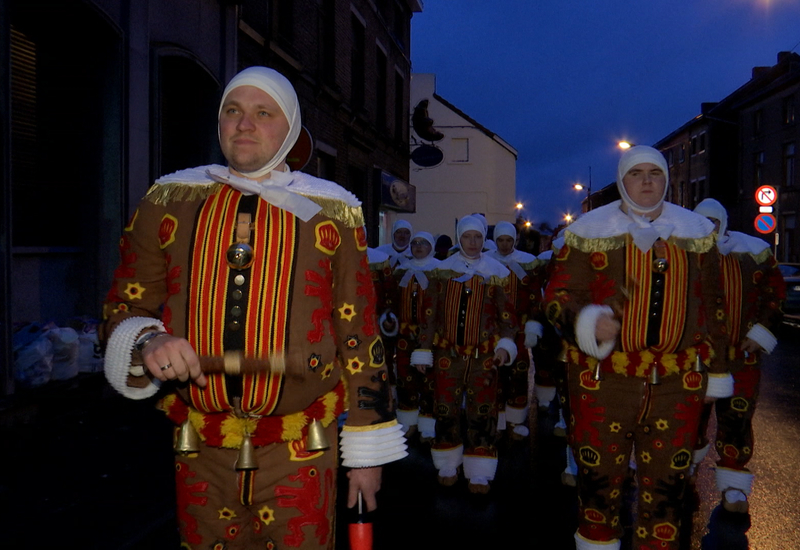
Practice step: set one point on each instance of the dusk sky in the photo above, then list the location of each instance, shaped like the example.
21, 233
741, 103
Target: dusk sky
564, 81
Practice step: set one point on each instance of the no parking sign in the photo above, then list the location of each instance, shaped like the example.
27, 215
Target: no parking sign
765, 223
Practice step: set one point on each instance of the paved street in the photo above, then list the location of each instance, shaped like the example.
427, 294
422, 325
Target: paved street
85, 467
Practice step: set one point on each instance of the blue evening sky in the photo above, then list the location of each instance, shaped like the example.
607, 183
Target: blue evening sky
564, 81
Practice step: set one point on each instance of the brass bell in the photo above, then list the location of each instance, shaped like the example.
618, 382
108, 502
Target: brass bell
247, 459
598, 374
316, 440
660, 265
654, 379
698, 364
186, 439
239, 256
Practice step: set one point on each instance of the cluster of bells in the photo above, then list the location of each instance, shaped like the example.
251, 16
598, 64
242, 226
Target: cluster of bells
187, 441
653, 378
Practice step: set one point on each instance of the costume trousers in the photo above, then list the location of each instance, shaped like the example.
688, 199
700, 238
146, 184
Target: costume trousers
734, 438
288, 502
473, 382
513, 385
415, 390
620, 415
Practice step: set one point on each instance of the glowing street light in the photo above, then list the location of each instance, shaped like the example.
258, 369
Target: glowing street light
519, 206
568, 218
624, 145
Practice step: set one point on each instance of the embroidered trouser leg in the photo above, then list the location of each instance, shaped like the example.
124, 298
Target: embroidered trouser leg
513, 386
734, 441
611, 418
472, 381
414, 389
288, 502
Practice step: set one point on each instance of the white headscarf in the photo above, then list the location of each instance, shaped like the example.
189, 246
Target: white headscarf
505, 229
400, 224
644, 231
416, 267
710, 208
281, 90
638, 155
483, 265
275, 189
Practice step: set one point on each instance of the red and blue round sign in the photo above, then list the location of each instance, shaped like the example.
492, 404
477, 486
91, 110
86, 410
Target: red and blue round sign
765, 223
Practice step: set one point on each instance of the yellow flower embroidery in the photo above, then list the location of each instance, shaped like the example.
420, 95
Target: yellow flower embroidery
326, 372
226, 513
347, 311
647, 497
641, 532
620, 459
267, 515
615, 427
134, 291
354, 365
662, 424
646, 458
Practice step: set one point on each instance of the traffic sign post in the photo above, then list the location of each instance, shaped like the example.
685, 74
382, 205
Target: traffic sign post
766, 195
765, 223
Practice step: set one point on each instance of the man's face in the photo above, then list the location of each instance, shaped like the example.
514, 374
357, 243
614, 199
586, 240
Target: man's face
420, 248
401, 238
471, 242
505, 244
645, 184
252, 127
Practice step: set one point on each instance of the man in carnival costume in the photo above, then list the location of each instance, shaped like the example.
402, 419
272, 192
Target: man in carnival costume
413, 305
525, 296
260, 275
473, 334
754, 289
398, 249
636, 292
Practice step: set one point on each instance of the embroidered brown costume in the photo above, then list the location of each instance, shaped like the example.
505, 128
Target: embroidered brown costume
754, 290
638, 299
283, 299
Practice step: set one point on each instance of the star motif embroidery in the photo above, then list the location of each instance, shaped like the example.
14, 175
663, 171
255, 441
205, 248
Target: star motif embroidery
615, 427
646, 458
620, 459
226, 513
353, 342
662, 424
354, 365
134, 291
641, 532
647, 497
267, 515
326, 372
347, 311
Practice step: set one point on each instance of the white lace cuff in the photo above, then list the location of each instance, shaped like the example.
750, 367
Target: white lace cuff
720, 385
510, 347
118, 356
368, 446
763, 337
422, 357
585, 331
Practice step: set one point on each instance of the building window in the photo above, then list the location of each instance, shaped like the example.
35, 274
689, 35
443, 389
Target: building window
400, 110
788, 110
787, 238
380, 88
693, 146
328, 41
400, 25
758, 172
357, 62
698, 143
788, 164
326, 166
283, 22
670, 157
682, 154
459, 150
758, 121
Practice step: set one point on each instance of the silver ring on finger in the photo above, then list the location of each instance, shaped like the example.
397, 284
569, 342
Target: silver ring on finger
165, 367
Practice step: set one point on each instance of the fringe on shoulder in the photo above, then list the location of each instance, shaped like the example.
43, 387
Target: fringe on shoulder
604, 244
161, 194
450, 274
698, 246
763, 256
350, 216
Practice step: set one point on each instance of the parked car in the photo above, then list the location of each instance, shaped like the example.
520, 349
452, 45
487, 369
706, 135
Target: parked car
791, 275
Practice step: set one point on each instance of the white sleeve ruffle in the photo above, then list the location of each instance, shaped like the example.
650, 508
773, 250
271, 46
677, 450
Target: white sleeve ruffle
510, 347
720, 385
368, 446
118, 356
585, 327
763, 337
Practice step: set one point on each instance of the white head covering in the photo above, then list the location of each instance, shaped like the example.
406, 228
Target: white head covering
711, 208
485, 223
468, 223
638, 155
400, 224
505, 229
416, 267
281, 90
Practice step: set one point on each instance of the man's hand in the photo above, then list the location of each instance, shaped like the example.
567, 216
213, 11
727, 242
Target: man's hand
750, 346
171, 358
421, 368
389, 323
607, 328
366, 480
501, 357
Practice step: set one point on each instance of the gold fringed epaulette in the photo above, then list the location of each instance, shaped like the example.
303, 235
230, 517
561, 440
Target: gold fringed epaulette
162, 194
601, 244
697, 246
763, 256
350, 216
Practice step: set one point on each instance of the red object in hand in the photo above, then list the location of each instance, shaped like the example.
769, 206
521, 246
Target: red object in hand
360, 532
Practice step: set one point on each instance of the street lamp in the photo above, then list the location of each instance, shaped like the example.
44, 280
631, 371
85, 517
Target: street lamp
624, 144
581, 187
568, 218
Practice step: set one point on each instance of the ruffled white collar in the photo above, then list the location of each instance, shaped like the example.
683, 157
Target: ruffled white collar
741, 243
484, 266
